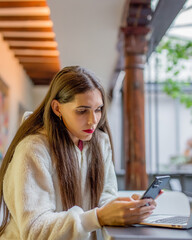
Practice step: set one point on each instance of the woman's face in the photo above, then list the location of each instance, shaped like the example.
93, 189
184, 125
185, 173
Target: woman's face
82, 115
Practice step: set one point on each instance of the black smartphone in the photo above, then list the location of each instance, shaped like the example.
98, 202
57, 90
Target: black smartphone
154, 189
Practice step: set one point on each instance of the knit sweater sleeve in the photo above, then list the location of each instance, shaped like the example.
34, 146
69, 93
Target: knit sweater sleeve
30, 196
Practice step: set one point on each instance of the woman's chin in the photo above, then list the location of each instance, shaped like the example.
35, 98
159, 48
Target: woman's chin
87, 138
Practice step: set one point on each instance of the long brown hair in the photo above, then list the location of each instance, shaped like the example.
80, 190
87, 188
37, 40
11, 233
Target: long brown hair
64, 86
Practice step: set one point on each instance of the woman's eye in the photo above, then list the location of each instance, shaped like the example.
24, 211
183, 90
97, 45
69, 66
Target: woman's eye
81, 111
98, 110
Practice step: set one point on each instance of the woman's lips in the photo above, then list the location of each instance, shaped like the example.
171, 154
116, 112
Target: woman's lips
88, 130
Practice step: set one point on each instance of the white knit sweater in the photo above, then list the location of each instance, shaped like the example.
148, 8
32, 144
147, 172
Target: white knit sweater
31, 192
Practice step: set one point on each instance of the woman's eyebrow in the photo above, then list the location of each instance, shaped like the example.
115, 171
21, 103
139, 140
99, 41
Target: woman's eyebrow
82, 106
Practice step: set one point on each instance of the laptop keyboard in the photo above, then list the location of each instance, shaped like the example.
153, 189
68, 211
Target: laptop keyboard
173, 220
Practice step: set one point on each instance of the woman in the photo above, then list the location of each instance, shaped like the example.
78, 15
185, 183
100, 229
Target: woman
57, 179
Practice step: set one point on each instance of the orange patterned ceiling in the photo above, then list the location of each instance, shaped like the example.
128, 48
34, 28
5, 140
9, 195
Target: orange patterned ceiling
28, 29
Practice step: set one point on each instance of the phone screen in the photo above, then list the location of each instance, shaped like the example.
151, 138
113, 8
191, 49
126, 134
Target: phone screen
154, 189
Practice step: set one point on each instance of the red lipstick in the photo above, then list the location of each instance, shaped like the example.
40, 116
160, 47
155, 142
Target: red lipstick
88, 130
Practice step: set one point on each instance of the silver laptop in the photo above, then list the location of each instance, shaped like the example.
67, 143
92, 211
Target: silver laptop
169, 221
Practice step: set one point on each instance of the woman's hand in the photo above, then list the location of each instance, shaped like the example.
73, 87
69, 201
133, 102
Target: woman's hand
125, 211
137, 197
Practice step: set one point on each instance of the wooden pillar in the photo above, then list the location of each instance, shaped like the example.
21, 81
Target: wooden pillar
133, 100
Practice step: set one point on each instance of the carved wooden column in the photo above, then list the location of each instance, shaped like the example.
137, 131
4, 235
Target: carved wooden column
133, 99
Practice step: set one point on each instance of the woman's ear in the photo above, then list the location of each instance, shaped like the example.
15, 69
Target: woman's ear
55, 105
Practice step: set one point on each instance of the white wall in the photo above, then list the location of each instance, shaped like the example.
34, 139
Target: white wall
87, 33
20, 86
39, 93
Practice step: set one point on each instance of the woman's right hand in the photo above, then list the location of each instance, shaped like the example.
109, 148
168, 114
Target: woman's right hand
125, 211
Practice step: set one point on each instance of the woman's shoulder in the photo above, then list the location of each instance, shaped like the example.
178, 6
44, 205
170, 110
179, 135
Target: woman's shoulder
33, 147
33, 141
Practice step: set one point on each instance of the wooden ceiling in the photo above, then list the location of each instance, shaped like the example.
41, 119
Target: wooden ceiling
28, 29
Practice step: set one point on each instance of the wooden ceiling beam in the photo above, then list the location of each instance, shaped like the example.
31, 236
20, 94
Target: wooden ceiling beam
24, 3
41, 67
30, 44
32, 48
33, 60
28, 52
27, 39
42, 26
32, 29
41, 74
24, 18
27, 35
25, 11
26, 24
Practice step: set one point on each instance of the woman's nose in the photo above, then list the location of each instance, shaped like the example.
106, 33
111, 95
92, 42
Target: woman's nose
92, 118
